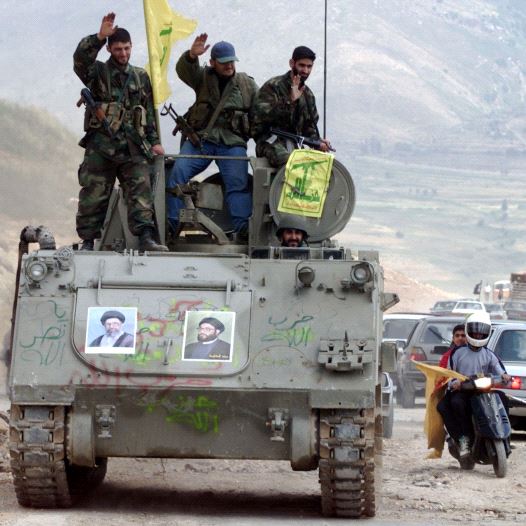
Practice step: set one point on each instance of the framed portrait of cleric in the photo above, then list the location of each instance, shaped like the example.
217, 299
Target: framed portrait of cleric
208, 336
111, 330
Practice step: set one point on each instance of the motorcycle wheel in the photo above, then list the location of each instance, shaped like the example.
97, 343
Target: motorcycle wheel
467, 463
500, 462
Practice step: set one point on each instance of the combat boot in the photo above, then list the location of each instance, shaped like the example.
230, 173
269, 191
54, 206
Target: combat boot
463, 447
87, 244
148, 243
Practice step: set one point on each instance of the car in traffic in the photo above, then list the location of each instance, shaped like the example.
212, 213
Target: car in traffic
398, 327
443, 308
495, 310
515, 310
465, 307
508, 342
430, 339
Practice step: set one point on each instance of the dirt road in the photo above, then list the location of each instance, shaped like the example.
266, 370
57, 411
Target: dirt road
191, 492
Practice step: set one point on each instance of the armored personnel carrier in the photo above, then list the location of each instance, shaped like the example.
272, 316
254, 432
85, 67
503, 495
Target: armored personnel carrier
297, 376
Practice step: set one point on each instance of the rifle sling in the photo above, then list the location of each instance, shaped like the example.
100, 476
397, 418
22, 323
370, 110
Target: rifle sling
226, 92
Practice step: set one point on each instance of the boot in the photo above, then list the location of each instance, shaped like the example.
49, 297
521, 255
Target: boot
87, 244
463, 447
148, 243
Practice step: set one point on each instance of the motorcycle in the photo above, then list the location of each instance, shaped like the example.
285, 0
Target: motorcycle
491, 425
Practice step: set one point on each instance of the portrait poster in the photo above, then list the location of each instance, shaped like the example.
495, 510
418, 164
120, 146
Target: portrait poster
208, 336
111, 330
307, 176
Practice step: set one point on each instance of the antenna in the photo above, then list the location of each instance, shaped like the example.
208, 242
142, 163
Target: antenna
325, 75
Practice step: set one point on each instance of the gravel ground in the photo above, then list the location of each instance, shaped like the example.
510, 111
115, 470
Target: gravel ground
414, 490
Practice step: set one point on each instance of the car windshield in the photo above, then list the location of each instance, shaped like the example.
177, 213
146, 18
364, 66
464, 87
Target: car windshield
491, 307
473, 305
399, 329
437, 332
511, 346
443, 305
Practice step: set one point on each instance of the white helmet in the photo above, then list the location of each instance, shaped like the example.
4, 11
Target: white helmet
478, 328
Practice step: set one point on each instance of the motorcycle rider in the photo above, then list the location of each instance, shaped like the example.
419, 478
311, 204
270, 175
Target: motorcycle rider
473, 359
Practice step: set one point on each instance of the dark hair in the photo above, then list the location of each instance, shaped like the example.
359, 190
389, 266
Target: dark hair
458, 328
303, 52
120, 35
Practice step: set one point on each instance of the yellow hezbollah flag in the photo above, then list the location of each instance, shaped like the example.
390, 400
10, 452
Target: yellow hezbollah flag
163, 28
307, 177
433, 424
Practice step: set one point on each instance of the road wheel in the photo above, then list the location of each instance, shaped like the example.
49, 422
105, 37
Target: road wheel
81, 477
38, 465
348, 451
499, 459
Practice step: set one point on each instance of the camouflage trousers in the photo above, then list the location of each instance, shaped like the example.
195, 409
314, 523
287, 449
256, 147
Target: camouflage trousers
277, 153
97, 175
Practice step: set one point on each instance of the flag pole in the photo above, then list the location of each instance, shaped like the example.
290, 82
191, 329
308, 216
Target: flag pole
149, 42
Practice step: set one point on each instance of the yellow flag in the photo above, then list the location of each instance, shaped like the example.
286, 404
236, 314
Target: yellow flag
163, 28
433, 424
307, 177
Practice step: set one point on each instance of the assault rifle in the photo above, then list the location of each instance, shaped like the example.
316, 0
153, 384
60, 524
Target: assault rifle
181, 124
87, 98
300, 140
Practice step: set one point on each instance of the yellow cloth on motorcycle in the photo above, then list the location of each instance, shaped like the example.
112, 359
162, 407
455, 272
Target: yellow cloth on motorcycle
307, 176
433, 423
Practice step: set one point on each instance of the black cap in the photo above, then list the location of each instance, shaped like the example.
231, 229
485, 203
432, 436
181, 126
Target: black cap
112, 314
214, 322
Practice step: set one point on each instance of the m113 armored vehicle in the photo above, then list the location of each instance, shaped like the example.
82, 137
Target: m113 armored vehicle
298, 376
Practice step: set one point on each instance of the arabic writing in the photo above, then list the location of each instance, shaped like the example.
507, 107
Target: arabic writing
294, 333
47, 344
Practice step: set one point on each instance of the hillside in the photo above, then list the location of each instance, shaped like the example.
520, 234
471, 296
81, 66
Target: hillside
437, 80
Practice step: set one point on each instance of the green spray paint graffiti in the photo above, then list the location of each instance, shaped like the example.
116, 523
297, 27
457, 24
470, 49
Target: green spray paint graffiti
199, 412
294, 333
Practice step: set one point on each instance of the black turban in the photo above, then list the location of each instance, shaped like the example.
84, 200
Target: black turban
214, 322
112, 314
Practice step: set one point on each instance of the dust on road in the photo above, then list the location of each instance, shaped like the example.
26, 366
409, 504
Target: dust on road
190, 492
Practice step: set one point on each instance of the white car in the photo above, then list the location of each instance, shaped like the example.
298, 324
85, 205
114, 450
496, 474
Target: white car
508, 342
467, 307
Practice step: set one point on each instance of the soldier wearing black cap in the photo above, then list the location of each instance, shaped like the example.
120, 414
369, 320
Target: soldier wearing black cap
114, 335
220, 116
208, 346
288, 104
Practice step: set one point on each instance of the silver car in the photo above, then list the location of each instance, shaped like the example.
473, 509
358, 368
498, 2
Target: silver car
508, 341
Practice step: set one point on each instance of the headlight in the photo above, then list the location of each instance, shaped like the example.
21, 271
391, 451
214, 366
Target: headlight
306, 276
36, 270
360, 274
483, 383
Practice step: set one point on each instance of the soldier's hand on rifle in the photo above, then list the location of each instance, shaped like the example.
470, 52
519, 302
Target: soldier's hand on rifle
157, 149
199, 46
106, 27
325, 145
296, 90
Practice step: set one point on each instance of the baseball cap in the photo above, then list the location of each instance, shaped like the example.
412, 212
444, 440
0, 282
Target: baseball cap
223, 52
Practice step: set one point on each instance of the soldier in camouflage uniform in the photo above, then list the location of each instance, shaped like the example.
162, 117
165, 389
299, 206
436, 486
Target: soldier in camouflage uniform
220, 116
286, 103
125, 94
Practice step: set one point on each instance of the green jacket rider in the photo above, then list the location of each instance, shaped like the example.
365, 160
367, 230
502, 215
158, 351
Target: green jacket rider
124, 93
286, 103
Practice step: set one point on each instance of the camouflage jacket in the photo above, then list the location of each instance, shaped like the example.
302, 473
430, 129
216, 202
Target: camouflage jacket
273, 108
109, 82
232, 127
